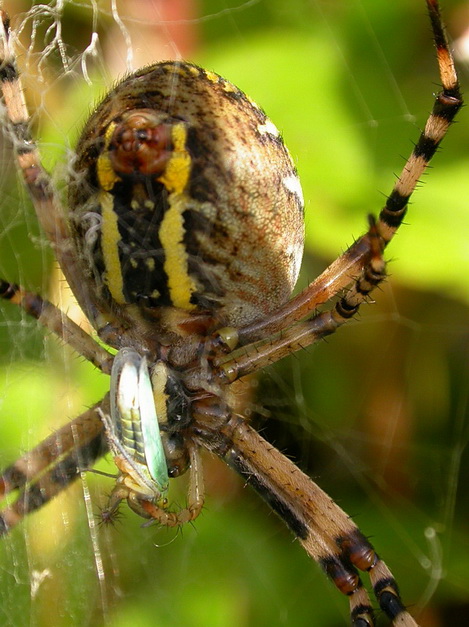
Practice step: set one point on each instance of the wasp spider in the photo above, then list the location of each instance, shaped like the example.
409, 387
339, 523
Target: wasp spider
182, 244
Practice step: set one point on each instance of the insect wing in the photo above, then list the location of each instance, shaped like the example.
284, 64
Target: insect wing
153, 446
134, 423
124, 397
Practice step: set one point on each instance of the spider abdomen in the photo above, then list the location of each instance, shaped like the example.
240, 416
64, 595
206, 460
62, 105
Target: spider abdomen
185, 196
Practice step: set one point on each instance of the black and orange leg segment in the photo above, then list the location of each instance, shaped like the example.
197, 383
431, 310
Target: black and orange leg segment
325, 531
35, 177
359, 262
446, 106
55, 320
258, 355
52, 466
44, 197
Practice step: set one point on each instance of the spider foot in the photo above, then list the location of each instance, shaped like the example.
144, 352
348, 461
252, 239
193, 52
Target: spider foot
171, 519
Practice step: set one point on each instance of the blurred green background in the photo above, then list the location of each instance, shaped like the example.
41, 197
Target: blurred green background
378, 415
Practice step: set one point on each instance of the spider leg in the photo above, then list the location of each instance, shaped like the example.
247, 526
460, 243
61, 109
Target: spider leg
35, 177
52, 466
57, 321
195, 496
253, 357
325, 531
353, 263
44, 197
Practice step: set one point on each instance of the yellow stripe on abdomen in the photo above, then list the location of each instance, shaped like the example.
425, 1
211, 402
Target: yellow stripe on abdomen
171, 233
110, 238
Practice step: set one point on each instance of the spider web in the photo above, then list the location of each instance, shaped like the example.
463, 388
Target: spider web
378, 415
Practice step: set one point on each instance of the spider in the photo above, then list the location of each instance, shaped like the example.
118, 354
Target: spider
182, 244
